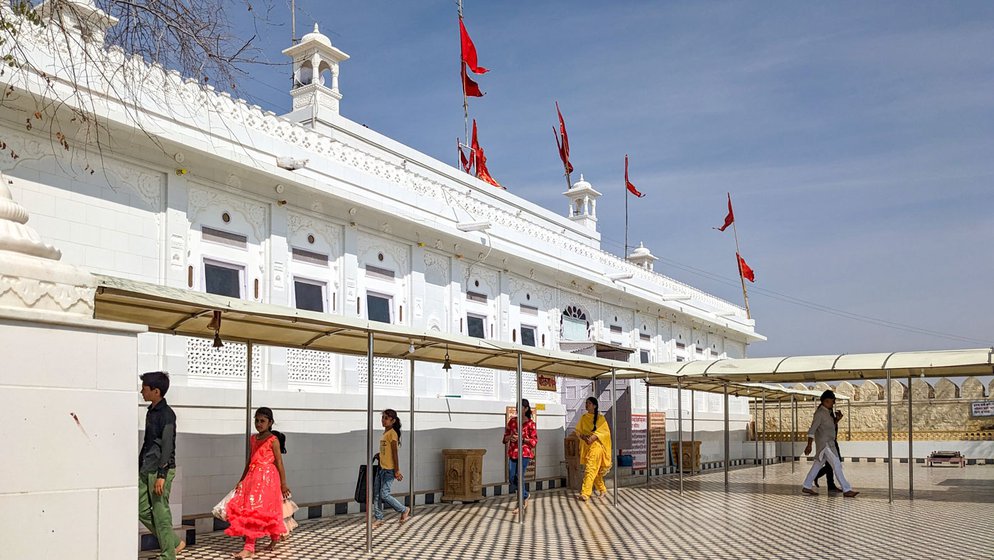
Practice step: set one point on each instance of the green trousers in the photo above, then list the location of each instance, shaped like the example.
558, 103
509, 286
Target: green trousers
153, 512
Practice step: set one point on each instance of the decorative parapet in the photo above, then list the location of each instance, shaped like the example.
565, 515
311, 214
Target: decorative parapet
946, 389
942, 414
845, 389
972, 388
921, 390
931, 435
869, 391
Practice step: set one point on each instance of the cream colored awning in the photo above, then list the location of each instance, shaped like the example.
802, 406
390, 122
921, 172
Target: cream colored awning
735, 388
185, 312
843, 367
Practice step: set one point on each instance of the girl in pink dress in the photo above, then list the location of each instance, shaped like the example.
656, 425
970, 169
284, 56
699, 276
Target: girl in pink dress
256, 509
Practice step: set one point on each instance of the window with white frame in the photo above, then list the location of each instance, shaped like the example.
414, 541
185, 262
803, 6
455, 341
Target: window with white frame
528, 335
644, 356
224, 279
574, 323
309, 294
379, 308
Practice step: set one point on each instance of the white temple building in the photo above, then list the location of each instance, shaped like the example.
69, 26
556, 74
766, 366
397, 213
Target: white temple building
192, 188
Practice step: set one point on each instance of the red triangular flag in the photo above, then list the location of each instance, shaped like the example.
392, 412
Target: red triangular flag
469, 50
475, 143
628, 184
564, 145
744, 270
469, 87
731, 215
482, 172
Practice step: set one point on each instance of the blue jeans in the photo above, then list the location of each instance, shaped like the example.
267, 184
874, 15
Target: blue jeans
381, 493
512, 465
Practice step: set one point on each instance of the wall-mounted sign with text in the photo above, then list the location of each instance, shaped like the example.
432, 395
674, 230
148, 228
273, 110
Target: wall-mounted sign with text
982, 408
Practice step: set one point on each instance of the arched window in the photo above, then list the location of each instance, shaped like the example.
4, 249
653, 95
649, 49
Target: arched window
305, 74
574, 323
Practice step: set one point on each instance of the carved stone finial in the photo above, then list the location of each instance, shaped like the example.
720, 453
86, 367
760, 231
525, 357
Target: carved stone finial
31, 276
15, 236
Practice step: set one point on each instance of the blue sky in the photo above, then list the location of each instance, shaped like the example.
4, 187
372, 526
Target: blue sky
856, 139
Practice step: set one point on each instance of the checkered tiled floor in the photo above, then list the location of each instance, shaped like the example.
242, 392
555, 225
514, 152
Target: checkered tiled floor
953, 511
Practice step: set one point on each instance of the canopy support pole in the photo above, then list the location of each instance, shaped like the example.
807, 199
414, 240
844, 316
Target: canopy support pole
779, 450
679, 423
520, 461
410, 442
369, 443
614, 430
849, 419
727, 438
693, 432
764, 434
911, 444
648, 432
793, 433
890, 444
755, 421
248, 402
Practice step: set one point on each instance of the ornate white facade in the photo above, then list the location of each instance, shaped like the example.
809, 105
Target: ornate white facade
193, 188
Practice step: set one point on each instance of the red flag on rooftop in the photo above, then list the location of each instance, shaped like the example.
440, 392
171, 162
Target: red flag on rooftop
564, 144
469, 50
731, 215
628, 184
467, 162
744, 270
482, 172
469, 87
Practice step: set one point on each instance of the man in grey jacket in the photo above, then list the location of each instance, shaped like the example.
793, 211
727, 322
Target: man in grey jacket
822, 433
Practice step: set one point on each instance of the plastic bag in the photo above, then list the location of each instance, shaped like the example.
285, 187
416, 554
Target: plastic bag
220, 511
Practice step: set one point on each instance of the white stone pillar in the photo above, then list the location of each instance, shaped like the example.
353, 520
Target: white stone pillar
69, 392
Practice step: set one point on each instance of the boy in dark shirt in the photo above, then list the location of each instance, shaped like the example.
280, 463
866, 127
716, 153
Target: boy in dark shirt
157, 465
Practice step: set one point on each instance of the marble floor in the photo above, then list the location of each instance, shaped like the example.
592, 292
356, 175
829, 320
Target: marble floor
952, 515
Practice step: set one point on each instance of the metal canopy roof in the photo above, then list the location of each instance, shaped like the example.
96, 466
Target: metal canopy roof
843, 367
735, 388
185, 312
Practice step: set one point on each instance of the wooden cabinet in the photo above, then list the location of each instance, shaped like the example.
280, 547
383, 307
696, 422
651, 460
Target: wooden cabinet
691, 455
463, 475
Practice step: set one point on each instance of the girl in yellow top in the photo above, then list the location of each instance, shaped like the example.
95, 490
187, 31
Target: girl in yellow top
389, 468
595, 449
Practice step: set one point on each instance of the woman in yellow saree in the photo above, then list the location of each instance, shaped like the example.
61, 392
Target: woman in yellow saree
595, 449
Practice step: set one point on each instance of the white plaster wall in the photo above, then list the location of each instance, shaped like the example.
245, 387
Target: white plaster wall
970, 449
68, 396
326, 447
102, 222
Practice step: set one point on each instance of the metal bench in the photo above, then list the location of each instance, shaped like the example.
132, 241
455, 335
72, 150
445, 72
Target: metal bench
945, 458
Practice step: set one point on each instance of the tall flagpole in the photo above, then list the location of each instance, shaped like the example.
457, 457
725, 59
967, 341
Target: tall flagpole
625, 256
293, 37
462, 77
745, 295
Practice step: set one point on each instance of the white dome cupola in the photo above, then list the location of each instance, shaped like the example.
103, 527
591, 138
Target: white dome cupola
583, 203
642, 257
315, 75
